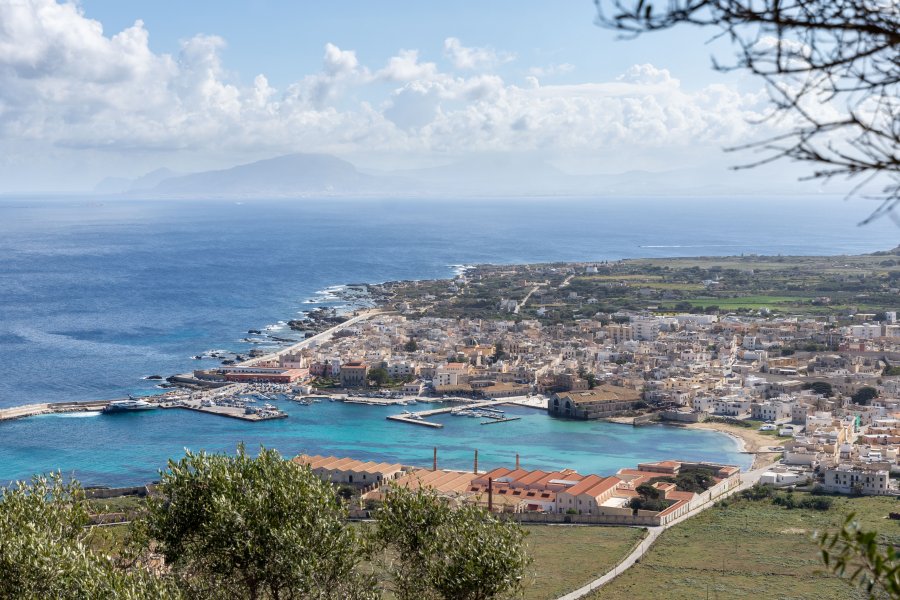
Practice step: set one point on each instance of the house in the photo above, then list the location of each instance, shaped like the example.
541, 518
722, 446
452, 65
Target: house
354, 374
858, 479
603, 401
351, 471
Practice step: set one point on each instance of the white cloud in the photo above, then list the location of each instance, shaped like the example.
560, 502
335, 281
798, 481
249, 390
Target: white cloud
406, 67
464, 57
65, 83
551, 70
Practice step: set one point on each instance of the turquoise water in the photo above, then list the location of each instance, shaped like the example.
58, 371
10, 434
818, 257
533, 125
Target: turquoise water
127, 449
97, 294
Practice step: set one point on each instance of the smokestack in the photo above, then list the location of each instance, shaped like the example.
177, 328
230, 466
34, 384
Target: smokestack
490, 494
517, 460
475, 468
434, 467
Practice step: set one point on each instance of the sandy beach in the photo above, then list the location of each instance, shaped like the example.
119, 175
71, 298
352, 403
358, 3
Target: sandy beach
752, 441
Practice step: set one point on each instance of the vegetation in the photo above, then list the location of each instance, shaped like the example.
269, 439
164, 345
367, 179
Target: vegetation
553, 572
864, 395
650, 499
259, 528
751, 549
819, 286
858, 556
841, 53
696, 481
822, 388
45, 549
437, 551
253, 528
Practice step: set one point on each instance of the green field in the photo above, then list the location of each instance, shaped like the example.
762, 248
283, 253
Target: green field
751, 549
567, 557
746, 301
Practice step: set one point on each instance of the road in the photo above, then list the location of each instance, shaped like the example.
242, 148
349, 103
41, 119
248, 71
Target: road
319, 337
525, 299
747, 480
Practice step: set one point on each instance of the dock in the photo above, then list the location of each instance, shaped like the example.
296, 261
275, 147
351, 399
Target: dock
503, 420
232, 412
418, 417
47, 408
412, 421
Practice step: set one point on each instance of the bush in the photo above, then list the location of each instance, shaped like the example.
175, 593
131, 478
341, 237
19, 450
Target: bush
757, 492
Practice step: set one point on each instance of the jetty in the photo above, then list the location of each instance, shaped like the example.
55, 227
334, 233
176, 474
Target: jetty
418, 417
412, 420
233, 412
47, 408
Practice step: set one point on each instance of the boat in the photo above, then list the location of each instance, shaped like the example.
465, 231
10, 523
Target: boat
132, 404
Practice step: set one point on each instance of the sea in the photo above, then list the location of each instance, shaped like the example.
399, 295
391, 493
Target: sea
97, 295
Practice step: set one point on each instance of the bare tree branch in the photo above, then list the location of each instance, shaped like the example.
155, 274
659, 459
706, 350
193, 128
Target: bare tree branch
831, 69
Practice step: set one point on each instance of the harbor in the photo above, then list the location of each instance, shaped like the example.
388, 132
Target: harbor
486, 410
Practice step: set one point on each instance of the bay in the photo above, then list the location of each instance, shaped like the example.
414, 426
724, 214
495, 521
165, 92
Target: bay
95, 295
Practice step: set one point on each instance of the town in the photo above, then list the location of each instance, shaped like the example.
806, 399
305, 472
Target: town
811, 383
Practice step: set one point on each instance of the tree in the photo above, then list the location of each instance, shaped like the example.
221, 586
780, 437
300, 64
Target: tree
857, 555
238, 526
499, 352
44, 549
591, 380
440, 552
380, 376
830, 67
411, 345
822, 388
864, 395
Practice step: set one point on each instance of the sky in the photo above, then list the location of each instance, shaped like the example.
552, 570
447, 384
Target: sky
103, 88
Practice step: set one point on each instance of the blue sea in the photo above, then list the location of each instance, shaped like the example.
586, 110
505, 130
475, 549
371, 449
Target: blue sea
96, 295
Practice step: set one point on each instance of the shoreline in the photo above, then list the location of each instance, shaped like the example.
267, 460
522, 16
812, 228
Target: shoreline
750, 440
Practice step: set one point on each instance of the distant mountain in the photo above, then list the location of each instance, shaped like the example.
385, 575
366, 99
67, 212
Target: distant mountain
121, 185
290, 175
485, 175
152, 179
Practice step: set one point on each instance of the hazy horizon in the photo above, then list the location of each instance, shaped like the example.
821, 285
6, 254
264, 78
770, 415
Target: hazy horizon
99, 90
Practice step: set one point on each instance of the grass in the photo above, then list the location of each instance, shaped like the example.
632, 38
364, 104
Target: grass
126, 504
751, 549
745, 301
567, 557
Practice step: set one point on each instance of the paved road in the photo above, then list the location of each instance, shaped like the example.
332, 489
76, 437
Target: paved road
319, 337
747, 480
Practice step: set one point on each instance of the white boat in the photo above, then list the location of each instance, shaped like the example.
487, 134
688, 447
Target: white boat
131, 404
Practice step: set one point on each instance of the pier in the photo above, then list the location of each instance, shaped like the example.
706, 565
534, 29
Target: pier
414, 421
47, 408
225, 411
418, 417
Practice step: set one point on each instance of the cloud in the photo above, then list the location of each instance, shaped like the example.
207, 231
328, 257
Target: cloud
406, 67
463, 57
551, 70
66, 83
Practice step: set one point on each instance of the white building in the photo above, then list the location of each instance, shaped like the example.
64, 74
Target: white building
852, 479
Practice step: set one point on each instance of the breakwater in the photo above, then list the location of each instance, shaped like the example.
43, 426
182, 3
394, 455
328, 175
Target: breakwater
45, 408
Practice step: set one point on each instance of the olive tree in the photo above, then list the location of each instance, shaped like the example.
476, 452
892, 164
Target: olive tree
436, 551
858, 556
44, 549
239, 526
